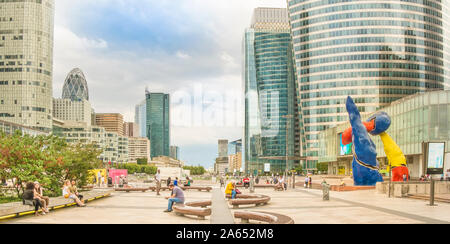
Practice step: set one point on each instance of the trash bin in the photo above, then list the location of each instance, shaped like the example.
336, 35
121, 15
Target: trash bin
110, 183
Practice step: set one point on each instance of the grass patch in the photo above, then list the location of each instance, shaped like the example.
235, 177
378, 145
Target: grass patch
9, 199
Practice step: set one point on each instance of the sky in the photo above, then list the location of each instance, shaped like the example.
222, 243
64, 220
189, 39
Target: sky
190, 49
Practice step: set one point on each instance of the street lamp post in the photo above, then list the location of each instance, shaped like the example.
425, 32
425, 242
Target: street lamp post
288, 123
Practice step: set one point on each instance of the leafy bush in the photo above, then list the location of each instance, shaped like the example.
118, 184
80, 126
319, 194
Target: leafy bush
195, 170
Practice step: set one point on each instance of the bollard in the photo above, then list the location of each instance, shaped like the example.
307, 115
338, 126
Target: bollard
432, 193
326, 192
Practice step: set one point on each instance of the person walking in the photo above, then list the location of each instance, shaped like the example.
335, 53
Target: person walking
310, 182
306, 182
169, 181
158, 182
177, 196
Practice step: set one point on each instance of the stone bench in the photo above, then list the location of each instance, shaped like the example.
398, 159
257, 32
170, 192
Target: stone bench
242, 199
199, 188
182, 210
131, 189
17, 209
201, 204
163, 188
266, 217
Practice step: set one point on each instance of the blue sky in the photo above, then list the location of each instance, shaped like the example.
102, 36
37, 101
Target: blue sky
188, 47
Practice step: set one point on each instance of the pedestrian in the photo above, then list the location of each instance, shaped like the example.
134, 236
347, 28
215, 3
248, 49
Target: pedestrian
310, 182
99, 178
307, 182
177, 196
175, 182
158, 182
169, 181
222, 182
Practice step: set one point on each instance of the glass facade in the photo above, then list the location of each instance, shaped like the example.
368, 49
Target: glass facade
375, 51
269, 83
158, 124
75, 86
26, 63
141, 118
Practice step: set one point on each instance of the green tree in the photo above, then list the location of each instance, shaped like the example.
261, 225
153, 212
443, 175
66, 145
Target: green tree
322, 167
195, 170
142, 161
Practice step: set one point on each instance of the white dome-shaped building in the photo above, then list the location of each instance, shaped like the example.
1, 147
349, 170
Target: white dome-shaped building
75, 87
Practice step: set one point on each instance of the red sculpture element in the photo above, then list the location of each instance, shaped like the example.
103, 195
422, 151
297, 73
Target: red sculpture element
347, 136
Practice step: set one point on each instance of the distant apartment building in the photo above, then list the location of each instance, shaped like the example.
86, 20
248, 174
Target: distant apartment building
235, 162
138, 148
114, 147
10, 128
26, 63
75, 111
165, 161
131, 129
112, 122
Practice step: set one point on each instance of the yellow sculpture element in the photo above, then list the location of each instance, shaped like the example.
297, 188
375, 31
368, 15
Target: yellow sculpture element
395, 156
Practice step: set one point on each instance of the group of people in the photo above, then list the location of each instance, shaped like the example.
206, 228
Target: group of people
33, 195
176, 181
308, 182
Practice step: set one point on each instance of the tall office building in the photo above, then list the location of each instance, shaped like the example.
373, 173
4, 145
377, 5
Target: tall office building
74, 111
111, 122
175, 152
140, 118
375, 51
26, 63
269, 83
75, 86
223, 148
158, 123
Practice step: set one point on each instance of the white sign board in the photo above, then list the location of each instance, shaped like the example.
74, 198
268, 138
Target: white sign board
266, 167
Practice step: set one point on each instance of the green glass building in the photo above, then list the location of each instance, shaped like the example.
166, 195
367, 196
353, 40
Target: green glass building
376, 51
158, 123
269, 84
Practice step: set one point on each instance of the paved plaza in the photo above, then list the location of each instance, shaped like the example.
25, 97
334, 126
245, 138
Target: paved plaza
303, 205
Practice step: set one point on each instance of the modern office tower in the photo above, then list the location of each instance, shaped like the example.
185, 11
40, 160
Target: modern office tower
140, 118
235, 147
175, 152
75, 87
130, 129
269, 83
158, 123
26, 63
223, 148
375, 51
138, 148
111, 122
72, 110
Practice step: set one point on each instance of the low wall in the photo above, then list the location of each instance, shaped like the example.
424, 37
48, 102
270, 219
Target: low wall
404, 189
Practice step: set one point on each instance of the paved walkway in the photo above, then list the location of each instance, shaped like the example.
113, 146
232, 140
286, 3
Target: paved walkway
304, 206
221, 213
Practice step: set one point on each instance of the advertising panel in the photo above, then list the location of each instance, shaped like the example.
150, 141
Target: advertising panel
435, 157
344, 150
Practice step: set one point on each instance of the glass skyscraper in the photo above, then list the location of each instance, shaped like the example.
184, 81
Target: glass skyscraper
158, 123
375, 51
26, 63
140, 118
269, 84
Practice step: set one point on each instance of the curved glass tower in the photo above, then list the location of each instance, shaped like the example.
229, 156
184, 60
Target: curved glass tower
75, 87
376, 51
270, 92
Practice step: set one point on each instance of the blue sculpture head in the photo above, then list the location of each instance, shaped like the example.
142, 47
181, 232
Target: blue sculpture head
382, 123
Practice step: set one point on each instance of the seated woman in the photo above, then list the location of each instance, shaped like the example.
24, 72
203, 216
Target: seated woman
73, 188
67, 194
28, 196
188, 182
231, 190
38, 195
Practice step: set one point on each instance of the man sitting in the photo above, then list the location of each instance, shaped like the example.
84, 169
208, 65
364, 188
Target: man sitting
246, 182
176, 197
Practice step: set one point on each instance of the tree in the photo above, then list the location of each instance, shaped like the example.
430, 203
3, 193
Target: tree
142, 161
195, 170
322, 167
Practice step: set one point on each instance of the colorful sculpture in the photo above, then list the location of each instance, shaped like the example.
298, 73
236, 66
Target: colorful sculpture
365, 164
376, 125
